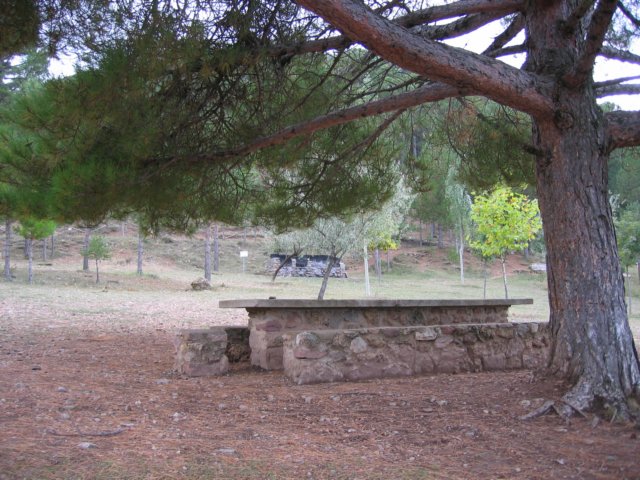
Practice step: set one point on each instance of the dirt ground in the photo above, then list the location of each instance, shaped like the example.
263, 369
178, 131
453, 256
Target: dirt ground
87, 391
78, 401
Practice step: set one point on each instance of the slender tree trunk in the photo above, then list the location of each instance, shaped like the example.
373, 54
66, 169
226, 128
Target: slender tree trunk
53, 244
628, 285
140, 252
97, 272
207, 253
26, 247
485, 274
44, 249
30, 257
461, 253
8, 224
440, 237
367, 285
592, 344
216, 249
504, 276
378, 264
421, 239
85, 247
327, 273
638, 264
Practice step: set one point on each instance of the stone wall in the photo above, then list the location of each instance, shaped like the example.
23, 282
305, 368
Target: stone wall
205, 352
356, 354
307, 266
269, 325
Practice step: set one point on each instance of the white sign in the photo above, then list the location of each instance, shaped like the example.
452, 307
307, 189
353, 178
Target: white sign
244, 253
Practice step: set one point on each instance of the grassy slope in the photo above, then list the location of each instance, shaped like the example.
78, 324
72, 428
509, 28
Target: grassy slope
171, 262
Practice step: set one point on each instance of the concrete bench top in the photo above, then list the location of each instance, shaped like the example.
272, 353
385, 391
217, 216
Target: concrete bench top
367, 303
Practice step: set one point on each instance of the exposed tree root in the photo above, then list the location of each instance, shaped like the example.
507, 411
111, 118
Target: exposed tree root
87, 434
579, 400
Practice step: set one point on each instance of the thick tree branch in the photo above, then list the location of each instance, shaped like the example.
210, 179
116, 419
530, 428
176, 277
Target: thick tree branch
458, 27
616, 81
426, 94
503, 52
622, 55
418, 19
509, 34
609, 90
600, 21
623, 129
443, 63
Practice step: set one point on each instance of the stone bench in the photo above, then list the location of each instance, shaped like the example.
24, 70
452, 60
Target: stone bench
270, 320
356, 354
205, 352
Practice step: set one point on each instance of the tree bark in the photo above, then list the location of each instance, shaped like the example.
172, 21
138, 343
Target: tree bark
216, 249
97, 272
85, 247
140, 252
207, 253
8, 223
44, 249
592, 342
378, 264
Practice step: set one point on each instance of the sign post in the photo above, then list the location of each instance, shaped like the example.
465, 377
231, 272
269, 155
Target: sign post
243, 255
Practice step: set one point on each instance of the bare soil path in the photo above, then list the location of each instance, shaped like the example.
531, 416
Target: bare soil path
83, 398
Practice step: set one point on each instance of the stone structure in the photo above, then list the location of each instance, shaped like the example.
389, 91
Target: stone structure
305, 266
206, 352
270, 320
356, 354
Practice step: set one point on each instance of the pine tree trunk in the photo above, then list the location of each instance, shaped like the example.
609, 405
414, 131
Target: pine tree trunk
592, 344
216, 249
207, 253
85, 247
140, 253
7, 249
29, 243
